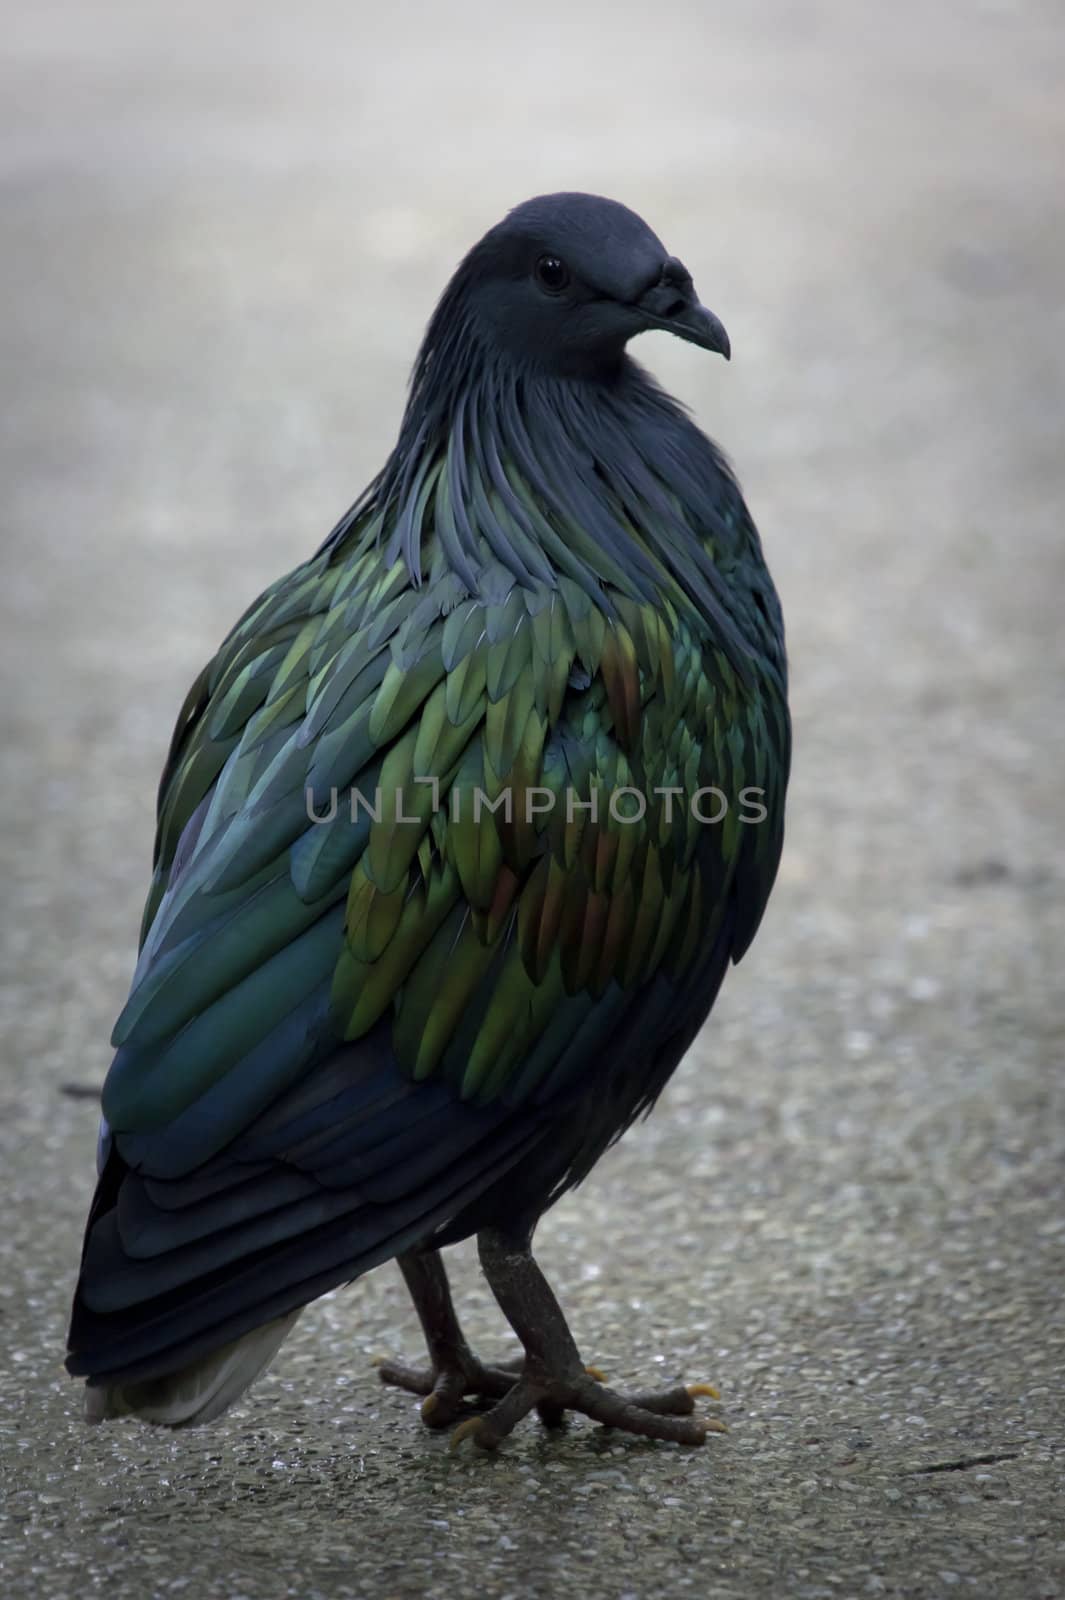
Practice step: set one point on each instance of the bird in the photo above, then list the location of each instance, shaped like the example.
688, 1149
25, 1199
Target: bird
458, 834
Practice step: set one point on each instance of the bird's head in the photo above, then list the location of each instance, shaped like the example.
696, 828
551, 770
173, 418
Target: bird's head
566, 280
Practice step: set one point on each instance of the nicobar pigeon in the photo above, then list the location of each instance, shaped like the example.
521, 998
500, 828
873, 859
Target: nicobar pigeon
364, 1031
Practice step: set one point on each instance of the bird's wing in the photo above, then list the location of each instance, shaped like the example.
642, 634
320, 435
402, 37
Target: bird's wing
341, 1031
526, 928
494, 881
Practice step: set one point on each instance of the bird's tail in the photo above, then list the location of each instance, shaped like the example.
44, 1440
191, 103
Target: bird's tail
199, 1392
193, 1272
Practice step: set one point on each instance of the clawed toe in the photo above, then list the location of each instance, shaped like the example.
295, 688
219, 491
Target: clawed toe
416, 1380
548, 1378
678, 1402
476, 1428
667, 1415
449, 1389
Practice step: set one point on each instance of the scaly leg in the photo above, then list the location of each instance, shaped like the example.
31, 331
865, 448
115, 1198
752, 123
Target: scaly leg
554, 1379
454, 1371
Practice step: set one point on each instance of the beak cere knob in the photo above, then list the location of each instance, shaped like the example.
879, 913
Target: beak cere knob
672, 305
674, 272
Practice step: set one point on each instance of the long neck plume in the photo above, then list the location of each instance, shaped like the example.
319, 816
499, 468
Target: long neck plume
505, 472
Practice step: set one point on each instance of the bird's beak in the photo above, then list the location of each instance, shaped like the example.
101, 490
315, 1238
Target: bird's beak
699, 326
671, 304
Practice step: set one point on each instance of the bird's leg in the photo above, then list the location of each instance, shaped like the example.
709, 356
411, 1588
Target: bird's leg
454, 1371
554, 1379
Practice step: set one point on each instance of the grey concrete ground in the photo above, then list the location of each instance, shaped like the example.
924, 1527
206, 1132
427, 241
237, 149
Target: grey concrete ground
223, 229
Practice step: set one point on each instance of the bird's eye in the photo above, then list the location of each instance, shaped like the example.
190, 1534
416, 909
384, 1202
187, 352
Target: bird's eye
552, 274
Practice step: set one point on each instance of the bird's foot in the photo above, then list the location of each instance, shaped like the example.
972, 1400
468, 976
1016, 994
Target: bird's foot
454, 1375
660, 1414
554, 1380
451, 1382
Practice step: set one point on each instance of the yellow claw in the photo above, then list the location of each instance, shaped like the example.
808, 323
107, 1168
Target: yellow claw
714, 1424
597, 1373
428, 1406
698, 1389
466, 1430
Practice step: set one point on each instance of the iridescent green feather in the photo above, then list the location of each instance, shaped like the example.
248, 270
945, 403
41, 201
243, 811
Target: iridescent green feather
491, 936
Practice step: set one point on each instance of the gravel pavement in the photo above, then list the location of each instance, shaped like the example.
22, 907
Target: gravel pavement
223, 228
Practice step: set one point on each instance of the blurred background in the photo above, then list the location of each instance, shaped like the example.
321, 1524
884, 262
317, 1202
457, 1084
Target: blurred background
223, 229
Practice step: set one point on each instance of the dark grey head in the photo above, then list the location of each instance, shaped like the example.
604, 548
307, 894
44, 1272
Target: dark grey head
566, 280
530, 446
